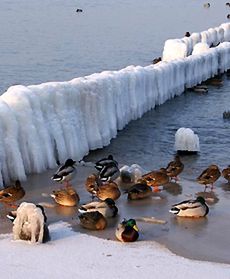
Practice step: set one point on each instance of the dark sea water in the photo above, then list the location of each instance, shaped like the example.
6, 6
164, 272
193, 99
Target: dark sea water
47, 40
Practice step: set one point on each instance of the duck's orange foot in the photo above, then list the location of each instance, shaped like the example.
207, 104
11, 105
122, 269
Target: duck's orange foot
156, 189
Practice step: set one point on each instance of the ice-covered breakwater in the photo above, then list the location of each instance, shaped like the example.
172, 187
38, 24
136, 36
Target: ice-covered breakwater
40, 124
181, 48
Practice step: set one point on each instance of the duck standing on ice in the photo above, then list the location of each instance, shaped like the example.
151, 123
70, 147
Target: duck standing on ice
108, 169
209, 176
174, 168
65, 173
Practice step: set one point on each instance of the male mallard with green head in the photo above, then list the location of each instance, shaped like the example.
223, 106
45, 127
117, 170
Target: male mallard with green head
191, 208
127, 231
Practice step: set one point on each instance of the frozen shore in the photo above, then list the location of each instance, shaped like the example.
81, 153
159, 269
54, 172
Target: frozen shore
76, 255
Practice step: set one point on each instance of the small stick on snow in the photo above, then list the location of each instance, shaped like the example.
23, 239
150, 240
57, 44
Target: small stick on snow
151, 220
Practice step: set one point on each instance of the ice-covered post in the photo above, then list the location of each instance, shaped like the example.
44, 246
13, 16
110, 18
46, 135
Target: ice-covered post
186, 141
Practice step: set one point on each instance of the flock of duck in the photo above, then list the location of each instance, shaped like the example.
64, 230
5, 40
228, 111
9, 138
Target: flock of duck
103, 186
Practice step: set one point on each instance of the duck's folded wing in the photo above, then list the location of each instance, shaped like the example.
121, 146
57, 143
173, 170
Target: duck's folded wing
187, 205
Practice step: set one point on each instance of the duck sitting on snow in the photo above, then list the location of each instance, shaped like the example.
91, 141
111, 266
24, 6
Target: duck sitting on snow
127, 231
209, 176
12, 193
107, 207
139, 191
67, 196
93, 220
226, 173
65, 173
174, 168
191, 208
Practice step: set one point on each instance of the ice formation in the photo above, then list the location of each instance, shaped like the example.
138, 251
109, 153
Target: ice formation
180, 48
132, 173
50, 122
186, 140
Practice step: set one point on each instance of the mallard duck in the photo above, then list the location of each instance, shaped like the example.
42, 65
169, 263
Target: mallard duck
100, 164
209, 176
107, 190
226, 173
139, 191
156, 178
25, 233
91, 183
65, 173
107, 207
93, 220
12, 193
127, 231
110, 172
174, 168
191, 208
67, 196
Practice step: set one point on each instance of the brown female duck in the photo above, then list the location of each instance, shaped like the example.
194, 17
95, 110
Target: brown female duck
102, 190
139, 191
156, 178
107, 190
12, 193
174, 168
93, 220
226, 173
67, 196
209, 176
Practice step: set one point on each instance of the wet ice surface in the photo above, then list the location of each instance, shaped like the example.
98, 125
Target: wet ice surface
149, 142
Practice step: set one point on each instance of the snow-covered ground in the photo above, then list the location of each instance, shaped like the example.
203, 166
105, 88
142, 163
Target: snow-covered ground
76, 255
